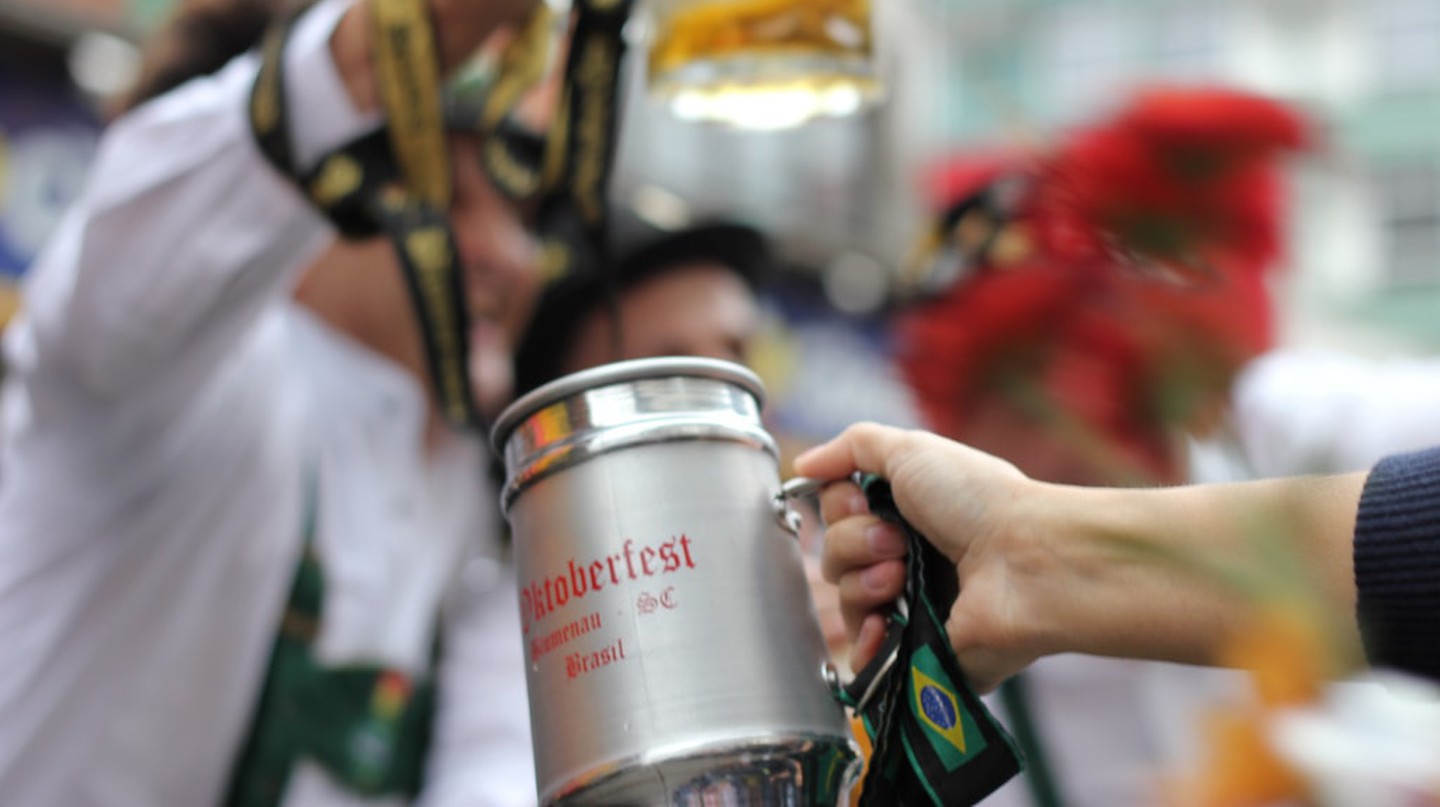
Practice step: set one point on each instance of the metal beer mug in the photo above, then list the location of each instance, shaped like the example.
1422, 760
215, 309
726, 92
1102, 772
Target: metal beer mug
674, 654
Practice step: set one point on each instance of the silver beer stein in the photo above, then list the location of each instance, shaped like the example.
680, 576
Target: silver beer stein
674, 656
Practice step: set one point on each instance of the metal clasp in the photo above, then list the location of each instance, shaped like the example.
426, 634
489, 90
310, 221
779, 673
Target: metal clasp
798, 488
889, 651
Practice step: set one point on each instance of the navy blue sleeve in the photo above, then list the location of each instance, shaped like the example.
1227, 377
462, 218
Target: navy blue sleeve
1397, 563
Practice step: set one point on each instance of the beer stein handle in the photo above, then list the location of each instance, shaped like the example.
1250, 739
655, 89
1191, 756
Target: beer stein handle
800, 487
867, 681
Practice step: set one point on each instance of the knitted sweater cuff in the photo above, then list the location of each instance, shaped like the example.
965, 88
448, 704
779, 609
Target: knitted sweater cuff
1397, 563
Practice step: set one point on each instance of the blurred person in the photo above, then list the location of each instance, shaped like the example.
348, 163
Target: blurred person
1347, 420
690, 292
1086, 418
197, 39
1081, 369
245, 559
1322, 411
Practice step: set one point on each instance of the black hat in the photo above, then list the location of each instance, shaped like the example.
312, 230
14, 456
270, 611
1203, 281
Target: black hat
644, 252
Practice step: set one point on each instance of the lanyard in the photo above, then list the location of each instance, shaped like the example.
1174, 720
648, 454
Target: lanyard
934, 741
397, 182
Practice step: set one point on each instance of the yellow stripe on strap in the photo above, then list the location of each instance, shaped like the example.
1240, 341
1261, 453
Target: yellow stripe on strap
407, 69
522, 66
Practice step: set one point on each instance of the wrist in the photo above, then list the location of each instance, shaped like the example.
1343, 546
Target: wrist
1115, 573
1066, 559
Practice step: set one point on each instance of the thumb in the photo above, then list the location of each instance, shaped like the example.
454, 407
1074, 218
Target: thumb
865, 447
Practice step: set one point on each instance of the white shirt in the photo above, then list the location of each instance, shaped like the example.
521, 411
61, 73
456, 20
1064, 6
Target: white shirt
1111, 729
1309, 411
166, 405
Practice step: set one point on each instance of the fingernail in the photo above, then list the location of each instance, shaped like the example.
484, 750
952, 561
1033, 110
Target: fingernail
885, 540
858, 504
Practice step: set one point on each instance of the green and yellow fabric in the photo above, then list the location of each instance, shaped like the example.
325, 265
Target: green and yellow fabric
369, 727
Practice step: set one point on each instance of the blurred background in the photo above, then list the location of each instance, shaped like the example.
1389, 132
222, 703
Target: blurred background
845, 198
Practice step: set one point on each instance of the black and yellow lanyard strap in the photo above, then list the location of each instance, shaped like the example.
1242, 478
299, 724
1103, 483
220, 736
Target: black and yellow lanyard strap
519, 161
565, 170
934, 741
574, 208
396, 182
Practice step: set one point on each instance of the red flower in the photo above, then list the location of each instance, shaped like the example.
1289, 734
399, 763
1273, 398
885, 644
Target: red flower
1182, 181
1215, 121
955, 348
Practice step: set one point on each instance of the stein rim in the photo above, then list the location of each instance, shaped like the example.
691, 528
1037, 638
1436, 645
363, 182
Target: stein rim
621, 372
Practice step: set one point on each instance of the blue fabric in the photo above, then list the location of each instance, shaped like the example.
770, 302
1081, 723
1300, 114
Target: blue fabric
1397, 563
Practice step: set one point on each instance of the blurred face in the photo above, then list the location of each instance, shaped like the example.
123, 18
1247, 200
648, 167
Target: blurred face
359, 287
498, 256
697, 309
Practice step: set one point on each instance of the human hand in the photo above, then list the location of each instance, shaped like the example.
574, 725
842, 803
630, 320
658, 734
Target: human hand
964, 501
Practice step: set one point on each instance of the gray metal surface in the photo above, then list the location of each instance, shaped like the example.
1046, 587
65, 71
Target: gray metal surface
674, 654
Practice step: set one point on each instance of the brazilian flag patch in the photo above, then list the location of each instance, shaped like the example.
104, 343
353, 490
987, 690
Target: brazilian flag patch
948, 727
924, 721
